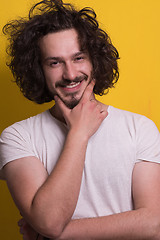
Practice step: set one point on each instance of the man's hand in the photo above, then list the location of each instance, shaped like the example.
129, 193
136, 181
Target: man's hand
87, 116
27, 231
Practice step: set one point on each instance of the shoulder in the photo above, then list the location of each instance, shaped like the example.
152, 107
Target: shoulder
20, 136
16, 141
25, 126
129, 117
138, 125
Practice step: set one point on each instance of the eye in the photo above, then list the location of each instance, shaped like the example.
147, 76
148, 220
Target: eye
79, 58
54, 63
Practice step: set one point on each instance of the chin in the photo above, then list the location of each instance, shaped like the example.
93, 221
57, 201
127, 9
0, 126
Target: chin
72, 103
73, 100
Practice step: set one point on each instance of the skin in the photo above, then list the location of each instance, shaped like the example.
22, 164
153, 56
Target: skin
60, 190
67, 69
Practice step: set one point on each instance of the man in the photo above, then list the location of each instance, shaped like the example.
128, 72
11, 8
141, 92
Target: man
81, 170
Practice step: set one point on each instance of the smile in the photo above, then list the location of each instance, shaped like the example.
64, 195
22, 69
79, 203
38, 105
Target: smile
72, 85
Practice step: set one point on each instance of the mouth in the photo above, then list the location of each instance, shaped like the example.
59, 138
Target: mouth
69, 85
72, 85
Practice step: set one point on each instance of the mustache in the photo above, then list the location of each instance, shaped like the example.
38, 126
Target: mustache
64, 82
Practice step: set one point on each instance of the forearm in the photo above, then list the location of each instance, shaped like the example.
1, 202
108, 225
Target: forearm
136, 225
56, 199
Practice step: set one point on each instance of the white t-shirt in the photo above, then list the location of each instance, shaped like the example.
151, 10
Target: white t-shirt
122, 140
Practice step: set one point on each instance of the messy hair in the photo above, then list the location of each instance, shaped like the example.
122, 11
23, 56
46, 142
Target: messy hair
49, 16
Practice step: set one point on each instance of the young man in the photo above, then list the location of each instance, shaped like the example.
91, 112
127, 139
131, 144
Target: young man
81, 170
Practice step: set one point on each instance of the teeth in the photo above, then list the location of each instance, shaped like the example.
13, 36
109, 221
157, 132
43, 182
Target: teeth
73, 85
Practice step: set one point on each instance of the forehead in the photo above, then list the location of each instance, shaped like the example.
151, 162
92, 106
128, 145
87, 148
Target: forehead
60, 44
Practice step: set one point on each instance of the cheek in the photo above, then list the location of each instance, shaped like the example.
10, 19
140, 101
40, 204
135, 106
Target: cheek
90, 68
52, 77
87, 69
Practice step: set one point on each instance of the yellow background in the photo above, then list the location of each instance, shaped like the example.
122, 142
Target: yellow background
134, 27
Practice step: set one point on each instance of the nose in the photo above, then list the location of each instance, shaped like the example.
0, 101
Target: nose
69, 71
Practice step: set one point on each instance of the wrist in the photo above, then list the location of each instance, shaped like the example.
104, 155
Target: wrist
78, 136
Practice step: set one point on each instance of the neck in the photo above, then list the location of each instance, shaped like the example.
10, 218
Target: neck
57, 113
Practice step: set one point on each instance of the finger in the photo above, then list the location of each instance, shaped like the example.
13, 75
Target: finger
88, 92
21, 222
21, 230
64, 109
104, 114
99, 106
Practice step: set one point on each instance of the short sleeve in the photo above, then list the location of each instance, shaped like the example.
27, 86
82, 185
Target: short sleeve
14, 143
148, 141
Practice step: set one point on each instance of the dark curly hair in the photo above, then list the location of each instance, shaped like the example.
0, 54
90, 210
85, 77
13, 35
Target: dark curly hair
50, 16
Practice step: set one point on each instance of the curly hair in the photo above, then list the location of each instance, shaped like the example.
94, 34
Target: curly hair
49, 16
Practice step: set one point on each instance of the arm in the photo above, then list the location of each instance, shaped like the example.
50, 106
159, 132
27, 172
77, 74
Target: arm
141, 223
48, 203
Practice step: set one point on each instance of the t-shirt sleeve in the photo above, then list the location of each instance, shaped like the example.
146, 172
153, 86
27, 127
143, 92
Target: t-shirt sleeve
15, 143
148, 141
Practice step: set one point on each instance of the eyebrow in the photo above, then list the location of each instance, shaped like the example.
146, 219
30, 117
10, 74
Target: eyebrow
52, 58
60, 58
